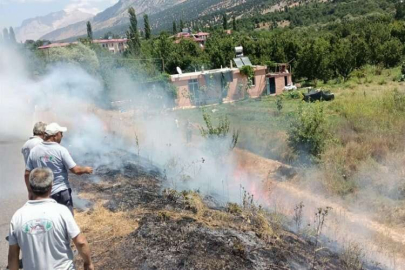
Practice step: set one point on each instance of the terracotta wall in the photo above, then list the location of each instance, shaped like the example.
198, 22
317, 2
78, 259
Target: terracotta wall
236, 88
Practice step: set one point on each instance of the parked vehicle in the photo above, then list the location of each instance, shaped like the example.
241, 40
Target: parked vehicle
316, 94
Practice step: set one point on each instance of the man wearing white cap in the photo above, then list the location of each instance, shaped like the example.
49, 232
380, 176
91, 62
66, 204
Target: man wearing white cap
52, 155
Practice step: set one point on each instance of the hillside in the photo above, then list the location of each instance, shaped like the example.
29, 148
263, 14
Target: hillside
111, 17
35, 28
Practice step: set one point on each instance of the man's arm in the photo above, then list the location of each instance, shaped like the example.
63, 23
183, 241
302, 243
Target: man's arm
81, 170
27, 177
82, 246
13, 257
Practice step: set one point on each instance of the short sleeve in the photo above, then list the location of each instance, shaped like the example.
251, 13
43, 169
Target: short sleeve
12, 234
71, 226
29, 166
67, 159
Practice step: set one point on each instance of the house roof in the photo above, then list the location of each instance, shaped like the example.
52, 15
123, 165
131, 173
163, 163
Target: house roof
110, 40
210, 71
202, 34
55, 45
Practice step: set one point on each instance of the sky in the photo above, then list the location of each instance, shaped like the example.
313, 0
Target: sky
14, 12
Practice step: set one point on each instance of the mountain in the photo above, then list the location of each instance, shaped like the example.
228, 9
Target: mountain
35, 28
111, 17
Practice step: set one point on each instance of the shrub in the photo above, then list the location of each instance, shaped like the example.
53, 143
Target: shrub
308, 132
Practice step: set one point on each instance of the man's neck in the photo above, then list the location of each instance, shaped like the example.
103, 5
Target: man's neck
37, 198
51, 140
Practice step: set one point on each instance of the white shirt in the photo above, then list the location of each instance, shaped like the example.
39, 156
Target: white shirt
28, 145
43, 230
55, 157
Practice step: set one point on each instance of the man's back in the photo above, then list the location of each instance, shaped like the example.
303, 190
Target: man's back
43, 229
55, 157
29, 145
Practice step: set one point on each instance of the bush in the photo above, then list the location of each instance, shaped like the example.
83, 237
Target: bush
308, 133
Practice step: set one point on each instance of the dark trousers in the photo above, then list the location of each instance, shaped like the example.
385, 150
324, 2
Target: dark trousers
64, 197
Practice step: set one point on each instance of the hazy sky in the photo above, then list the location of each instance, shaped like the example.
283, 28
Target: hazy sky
13, 12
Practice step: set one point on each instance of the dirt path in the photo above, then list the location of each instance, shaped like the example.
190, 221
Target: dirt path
379, 243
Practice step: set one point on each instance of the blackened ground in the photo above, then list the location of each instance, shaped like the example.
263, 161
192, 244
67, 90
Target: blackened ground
178, 230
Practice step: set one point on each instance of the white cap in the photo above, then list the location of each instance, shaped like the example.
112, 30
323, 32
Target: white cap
54, 128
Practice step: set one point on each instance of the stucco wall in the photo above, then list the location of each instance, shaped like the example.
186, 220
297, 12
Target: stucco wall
236, 88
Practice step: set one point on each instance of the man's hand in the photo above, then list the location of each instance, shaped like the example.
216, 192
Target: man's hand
81, 170
84, 250
89, 170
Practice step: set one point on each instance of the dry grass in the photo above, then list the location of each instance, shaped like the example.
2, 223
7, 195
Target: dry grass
100, 224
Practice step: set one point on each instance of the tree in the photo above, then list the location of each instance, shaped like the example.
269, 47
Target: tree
147, 26
233, 23
392, 52
181, 25
344, 61
314, 60
224, 21
400, 10
134, 43
89, 31
11, 36
174, 28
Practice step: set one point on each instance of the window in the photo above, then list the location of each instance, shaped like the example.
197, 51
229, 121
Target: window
253, 80
193, 88
285, 81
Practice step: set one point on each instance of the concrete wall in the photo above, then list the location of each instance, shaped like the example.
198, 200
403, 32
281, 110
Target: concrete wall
236, 90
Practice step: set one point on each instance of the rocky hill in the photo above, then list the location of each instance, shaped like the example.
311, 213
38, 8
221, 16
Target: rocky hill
36, 27
114, 16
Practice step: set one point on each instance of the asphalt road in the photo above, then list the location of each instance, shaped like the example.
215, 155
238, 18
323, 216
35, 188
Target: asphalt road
12, 190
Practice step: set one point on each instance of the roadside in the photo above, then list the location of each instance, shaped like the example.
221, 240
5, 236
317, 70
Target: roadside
12, 190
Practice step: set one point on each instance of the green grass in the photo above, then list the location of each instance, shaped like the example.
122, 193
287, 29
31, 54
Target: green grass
366, 121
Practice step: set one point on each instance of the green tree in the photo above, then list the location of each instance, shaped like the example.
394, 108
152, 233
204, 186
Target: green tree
392, 52
181, 25
314, 61
11, 36
89, 31
134, 43
343, 59
234, 23
174, 29
147, 26
224, 21
400, 10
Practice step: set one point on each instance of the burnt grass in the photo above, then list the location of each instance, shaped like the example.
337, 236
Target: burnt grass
184, 230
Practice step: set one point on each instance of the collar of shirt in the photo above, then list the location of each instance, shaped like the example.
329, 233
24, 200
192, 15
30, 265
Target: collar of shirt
33, 137
34, 202
49, 143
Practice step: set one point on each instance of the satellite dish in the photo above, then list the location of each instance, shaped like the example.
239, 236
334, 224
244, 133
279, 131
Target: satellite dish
179, 70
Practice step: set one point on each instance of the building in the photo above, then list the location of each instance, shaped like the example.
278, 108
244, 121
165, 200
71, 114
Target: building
227, 85
277, 79
113, 45
200, 37
217, 86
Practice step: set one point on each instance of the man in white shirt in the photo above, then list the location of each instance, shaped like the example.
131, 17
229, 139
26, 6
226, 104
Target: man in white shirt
39, 132
54, 156
42, 230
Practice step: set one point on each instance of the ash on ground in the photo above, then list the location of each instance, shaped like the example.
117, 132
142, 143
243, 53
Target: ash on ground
185, 230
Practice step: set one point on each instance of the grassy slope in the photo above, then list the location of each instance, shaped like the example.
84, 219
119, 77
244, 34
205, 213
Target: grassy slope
367, 125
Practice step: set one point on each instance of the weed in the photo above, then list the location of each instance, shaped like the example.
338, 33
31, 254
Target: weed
279, 104
352, 256
298, 215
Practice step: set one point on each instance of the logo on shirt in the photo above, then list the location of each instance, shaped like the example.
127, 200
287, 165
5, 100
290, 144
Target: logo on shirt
46, 158
37, 226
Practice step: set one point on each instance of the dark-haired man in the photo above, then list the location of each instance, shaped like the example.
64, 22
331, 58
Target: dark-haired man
52, 155
42, 230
